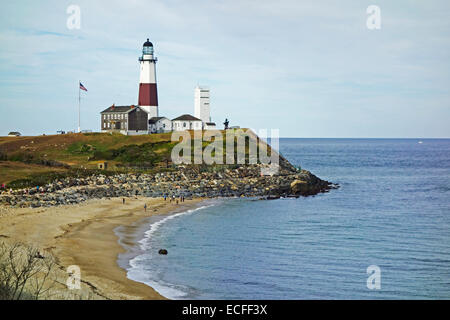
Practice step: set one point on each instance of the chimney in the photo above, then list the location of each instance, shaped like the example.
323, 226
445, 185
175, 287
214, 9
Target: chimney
112, 107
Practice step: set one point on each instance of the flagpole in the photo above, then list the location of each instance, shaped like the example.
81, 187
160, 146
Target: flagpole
79, 103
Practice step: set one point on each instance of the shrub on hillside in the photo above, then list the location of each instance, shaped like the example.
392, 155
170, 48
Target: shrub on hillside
24, 273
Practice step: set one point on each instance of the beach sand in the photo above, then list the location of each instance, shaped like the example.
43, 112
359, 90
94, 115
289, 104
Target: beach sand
84, 235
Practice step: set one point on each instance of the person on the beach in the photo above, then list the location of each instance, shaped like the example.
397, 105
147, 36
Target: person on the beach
165, 197
123, 201
145, 207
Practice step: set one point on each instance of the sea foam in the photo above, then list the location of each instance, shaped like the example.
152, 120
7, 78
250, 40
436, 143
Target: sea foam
137, 270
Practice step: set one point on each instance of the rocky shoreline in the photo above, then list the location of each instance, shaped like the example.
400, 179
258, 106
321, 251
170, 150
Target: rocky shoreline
187, 181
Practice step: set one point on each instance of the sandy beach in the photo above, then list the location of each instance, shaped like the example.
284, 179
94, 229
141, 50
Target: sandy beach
84, 235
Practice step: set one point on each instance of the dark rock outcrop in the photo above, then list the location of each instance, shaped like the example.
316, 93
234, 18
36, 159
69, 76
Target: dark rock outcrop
187, 181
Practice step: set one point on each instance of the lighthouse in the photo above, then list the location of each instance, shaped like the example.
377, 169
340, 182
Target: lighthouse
148, 94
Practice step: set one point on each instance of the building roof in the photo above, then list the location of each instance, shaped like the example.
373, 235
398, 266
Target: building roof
148, 43
119, 109
187, 117
155, 119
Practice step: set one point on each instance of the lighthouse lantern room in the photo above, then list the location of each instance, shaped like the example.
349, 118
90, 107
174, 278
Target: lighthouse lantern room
148, 93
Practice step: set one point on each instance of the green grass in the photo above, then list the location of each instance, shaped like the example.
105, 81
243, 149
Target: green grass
144, 153
147, 154
40, 179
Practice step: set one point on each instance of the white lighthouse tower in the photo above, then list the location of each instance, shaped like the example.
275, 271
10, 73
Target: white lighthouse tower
148, 93
201, 104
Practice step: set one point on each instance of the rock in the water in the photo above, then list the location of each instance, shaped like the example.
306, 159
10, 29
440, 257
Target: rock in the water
299, 187
162, 251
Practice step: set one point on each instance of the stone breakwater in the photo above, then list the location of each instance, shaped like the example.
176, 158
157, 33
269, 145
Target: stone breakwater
188, 182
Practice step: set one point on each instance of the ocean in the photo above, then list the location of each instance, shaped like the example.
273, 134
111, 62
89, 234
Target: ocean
392, 210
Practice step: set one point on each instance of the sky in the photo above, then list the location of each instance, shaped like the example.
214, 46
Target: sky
308, 68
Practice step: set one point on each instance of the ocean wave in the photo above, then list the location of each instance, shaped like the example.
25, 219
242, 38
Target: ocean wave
139, 273
145, 244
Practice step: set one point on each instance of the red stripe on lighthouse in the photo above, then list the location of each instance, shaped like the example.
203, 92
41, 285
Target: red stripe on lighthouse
148, 95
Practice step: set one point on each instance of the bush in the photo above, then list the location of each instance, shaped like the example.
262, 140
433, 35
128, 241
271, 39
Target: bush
144, 155
102, 155
24, 273
41, 179
21, 157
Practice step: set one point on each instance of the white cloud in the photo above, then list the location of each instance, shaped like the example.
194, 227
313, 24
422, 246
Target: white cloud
269, 64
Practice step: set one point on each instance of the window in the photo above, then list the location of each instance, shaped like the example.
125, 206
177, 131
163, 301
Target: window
164, 125
184, 124
147, 50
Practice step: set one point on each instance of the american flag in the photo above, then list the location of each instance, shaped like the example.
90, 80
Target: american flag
82, 87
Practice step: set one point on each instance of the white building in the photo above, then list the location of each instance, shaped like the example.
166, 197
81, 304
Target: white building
201, 104
159, 125
186, 122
